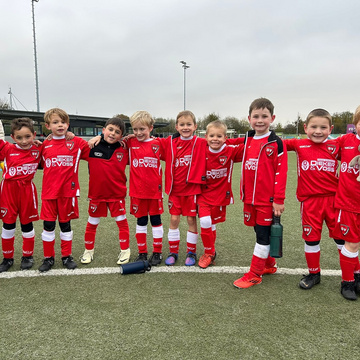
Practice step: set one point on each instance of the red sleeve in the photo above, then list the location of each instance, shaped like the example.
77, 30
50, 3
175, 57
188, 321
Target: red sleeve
237, 141
281, 167
290, 144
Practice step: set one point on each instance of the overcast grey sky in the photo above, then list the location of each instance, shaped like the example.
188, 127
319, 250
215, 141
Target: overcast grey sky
106, 57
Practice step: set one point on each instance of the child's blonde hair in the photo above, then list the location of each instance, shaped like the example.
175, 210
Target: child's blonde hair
319, 113
356, 117
143, 117
186, 113
61, 113
217, 124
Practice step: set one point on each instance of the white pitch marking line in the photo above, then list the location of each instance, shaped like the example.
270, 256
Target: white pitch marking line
161, 269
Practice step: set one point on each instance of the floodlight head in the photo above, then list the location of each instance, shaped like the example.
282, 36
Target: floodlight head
183, 62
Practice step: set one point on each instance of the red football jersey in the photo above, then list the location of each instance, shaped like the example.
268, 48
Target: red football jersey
348, 194
145, 169
19, 164
316, 167
219, 168
181, 187
107, 178
60, 161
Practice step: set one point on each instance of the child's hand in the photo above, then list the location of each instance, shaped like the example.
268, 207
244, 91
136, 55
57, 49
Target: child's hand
356, 161
94, 141
37, 143
278, 209
49, 137
69, 135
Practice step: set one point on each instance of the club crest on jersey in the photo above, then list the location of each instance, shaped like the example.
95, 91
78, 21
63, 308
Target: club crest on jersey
70, 145
3, 212
344, 229
269, 150
222, 159
93, 208
135, 208
119, 156
155, 148
35, 154
247, 216
307, 229
331, 148
170, 204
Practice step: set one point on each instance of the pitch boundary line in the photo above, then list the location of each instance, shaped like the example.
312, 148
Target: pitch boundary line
155, 270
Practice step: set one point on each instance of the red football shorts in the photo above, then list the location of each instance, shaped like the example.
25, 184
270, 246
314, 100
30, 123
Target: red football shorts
314, 211
182, 205
99, 208
347, 226
145, 207
217, 213
64, 209
258, 215
18, 198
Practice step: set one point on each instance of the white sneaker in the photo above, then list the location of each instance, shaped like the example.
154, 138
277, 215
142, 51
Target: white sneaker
87, 256
124, 257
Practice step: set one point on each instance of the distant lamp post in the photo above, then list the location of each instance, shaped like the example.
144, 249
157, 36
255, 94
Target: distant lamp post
184, 67
35, 58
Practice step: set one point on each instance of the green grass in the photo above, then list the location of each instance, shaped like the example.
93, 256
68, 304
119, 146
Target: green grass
178, 315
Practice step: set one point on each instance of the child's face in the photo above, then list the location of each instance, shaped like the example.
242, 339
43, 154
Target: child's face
318, 129
112, 134
141, 131
215, 138
260, 120
24, 137
357, 128
57, 126
185, 126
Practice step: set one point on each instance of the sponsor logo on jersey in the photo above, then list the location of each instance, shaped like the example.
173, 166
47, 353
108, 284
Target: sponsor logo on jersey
269, 150
344, 229
304, 146
3, 211
183, 161
307, 229
247, 216
216, 173
147, 162
119, 156
155, 148
70, 145
251, 164
35, 154
331, 149
60, 160
222, 159
25, 169
345, 167
319, 165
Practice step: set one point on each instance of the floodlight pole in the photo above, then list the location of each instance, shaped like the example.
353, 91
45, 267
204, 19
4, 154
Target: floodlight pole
35, 58
184, 67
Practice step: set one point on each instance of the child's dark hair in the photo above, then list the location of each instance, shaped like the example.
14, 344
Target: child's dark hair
319, 113
261, 103
116, 121
19, 123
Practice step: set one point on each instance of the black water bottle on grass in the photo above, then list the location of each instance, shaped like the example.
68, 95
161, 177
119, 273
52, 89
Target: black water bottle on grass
276, 237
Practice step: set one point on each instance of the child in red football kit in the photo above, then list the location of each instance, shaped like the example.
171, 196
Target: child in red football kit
107, 188
146, 185
18, 192
60, 187
217, 193
317, 184
347, 204
184, 174
262, 187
